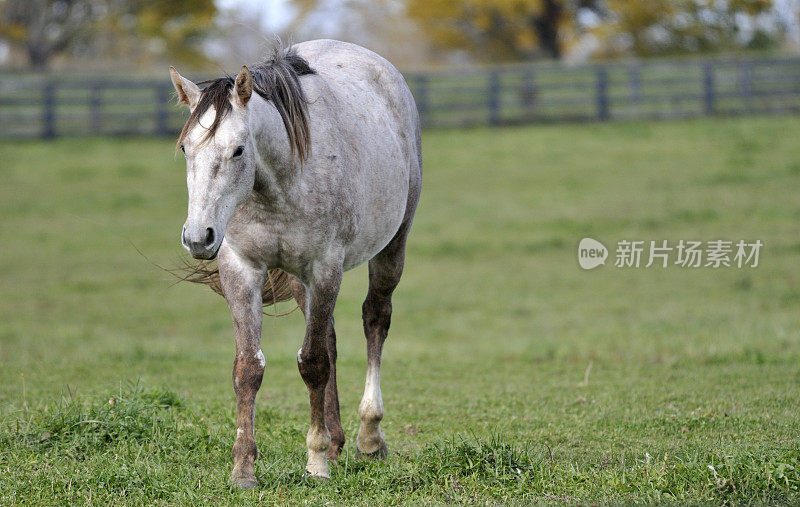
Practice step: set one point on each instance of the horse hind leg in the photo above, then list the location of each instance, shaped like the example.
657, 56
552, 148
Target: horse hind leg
332, 417
313, 360
385, 270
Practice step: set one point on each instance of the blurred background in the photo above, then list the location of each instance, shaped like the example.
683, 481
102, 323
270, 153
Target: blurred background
546, 121
65, 63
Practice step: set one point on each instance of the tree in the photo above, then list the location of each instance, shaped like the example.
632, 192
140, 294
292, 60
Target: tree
524, 29
500, 29
178, 25
46, 28
381, 25
674, 26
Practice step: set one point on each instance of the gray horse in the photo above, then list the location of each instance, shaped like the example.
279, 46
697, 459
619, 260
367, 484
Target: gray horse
300, 168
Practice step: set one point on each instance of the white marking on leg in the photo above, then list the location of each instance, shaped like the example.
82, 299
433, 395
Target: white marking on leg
261, 360
299, 351
318, 441
370, 410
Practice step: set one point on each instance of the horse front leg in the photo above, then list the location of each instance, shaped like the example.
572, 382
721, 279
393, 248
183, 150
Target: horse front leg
313, 361
242, 285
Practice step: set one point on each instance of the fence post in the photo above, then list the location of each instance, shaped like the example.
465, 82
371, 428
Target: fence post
746, 83
602, 94
528, 91
635, 76
494, 97
96, 106
162, 112
709, 95
48, 110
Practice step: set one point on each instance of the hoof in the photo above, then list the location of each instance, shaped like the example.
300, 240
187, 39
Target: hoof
243, 481
317, 465
381, 453
244, 484
319, 475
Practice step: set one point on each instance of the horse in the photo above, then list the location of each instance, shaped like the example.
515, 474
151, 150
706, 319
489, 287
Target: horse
304, 166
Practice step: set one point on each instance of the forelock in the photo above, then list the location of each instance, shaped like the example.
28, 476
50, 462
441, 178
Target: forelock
215, 95
277, 81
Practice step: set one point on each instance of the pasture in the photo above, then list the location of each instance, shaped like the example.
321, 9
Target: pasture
510, 374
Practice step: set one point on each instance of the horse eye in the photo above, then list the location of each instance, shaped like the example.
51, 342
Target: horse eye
183, 150
238, 152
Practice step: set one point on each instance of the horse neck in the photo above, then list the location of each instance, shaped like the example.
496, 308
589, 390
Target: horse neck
276, 168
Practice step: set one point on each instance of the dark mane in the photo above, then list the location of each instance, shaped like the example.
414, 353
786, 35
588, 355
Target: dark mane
276, 79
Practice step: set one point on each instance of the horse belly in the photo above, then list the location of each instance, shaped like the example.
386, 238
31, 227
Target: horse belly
384, 210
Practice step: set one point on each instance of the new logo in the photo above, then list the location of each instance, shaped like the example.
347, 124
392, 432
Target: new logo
591, 253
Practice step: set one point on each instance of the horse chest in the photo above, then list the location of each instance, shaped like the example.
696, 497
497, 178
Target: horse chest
274, 243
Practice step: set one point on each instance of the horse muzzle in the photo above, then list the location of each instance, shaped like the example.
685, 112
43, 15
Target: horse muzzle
202, 243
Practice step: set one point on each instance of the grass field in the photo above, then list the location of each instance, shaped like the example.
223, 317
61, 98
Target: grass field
510, 374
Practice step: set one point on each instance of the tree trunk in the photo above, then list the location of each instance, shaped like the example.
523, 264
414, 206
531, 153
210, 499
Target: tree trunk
38, 56
546, 26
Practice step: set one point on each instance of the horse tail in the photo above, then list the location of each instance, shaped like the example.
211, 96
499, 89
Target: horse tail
276, 287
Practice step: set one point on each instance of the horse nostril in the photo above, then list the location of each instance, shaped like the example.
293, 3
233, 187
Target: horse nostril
209, 237
183, 236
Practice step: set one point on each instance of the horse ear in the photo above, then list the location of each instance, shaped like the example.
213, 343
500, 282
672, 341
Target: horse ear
244, 85
188, 92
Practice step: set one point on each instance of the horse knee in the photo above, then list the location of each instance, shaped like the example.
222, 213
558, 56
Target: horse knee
248, 371
314, 366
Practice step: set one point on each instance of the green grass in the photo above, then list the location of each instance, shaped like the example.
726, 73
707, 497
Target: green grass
115, 386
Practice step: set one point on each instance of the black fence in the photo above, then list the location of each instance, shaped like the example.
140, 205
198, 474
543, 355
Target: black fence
36, 106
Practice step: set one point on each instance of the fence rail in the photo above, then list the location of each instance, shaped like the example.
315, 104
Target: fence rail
47, 107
